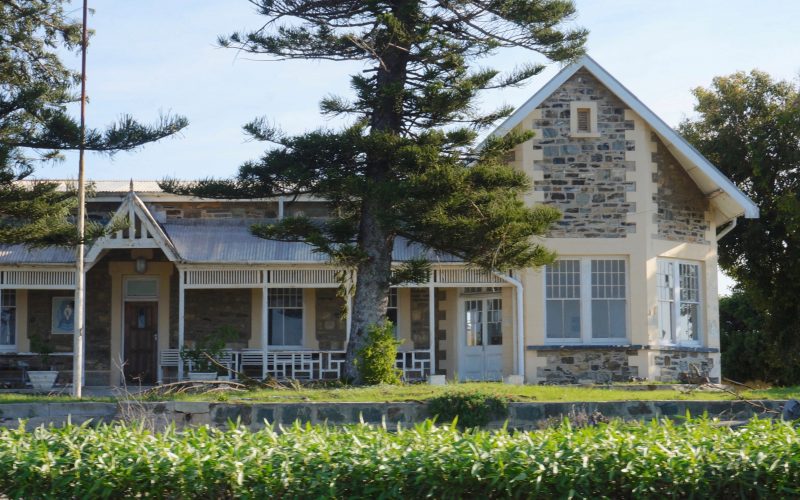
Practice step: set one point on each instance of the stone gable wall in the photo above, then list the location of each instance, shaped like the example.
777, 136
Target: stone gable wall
681, 205
585, 177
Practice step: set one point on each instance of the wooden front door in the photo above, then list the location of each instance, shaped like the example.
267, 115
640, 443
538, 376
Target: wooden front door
141, 340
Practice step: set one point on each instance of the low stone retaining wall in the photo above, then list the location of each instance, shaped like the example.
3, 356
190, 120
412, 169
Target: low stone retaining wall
253, 416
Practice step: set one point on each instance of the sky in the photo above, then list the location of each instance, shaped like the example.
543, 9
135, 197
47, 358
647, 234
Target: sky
154, 56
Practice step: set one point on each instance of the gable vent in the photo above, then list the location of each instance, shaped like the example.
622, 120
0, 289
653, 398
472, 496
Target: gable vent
584, 120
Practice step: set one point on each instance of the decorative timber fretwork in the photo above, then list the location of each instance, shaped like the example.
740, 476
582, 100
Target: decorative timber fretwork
141, 231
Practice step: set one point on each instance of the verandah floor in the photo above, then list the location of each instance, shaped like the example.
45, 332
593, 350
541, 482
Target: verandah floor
421, 392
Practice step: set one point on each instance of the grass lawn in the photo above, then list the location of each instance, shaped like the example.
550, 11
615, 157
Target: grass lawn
421, 392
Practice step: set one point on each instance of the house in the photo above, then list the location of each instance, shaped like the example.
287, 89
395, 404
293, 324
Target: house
632, 295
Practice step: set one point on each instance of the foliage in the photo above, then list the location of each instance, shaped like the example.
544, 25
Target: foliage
470, 408
35, 90
699, 459
42, 347
210, 345
746, 352
749, 127
405, 167
377, 358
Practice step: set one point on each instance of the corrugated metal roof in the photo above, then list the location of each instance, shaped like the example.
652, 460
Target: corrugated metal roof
229, 242
20, 254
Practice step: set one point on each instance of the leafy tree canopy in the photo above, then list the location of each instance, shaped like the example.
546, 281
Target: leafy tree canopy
405, 166
749, 126
35, 89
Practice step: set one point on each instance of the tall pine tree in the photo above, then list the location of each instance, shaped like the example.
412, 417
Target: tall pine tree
35, 90
405, 166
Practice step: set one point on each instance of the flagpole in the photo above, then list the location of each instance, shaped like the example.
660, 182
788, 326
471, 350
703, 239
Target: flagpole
80, 275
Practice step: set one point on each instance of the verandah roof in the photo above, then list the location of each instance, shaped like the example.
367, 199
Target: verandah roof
230, 242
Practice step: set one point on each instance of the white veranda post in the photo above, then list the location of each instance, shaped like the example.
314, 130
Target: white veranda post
264, 327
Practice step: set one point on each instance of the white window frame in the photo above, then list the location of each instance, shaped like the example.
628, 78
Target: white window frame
14, 324
271, 306
672, 339
586, 304
574, 106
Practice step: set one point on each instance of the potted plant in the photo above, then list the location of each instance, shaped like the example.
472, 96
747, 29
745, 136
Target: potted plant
208, 346
42, 380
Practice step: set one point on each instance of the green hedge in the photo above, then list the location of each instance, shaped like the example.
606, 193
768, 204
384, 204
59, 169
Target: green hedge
697, 459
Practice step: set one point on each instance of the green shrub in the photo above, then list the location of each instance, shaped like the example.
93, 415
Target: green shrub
376, 360
472, 409
699, 459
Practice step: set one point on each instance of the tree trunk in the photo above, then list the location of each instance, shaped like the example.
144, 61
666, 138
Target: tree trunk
374, 272
372, 287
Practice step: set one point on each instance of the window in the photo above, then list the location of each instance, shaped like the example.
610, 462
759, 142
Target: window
391, 309
586, 299
679, 302
583, 119
8, 321
141, 288
608, 299
286, 317
563, 287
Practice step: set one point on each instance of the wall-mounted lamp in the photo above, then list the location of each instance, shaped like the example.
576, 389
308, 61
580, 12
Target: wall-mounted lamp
141, 265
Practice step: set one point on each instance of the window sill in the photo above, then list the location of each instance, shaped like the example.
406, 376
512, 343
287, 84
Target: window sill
584, 135
584, 347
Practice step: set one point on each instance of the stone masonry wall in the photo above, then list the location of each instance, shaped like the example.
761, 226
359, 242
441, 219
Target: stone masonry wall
675, 366
521, 415
330, 325
585, 177
208, 310
98, 319
681, 205
568, 366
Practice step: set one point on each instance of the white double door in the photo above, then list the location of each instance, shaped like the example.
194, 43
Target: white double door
482, 340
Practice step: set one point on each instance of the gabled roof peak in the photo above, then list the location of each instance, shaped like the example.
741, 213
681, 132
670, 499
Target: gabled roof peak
698, 167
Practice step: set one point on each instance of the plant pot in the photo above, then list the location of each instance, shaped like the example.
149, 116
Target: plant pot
202, 375
42, 380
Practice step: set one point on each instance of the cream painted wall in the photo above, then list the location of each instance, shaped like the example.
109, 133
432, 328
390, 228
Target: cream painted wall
509, 342
310, 319
119, 271
404, 319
